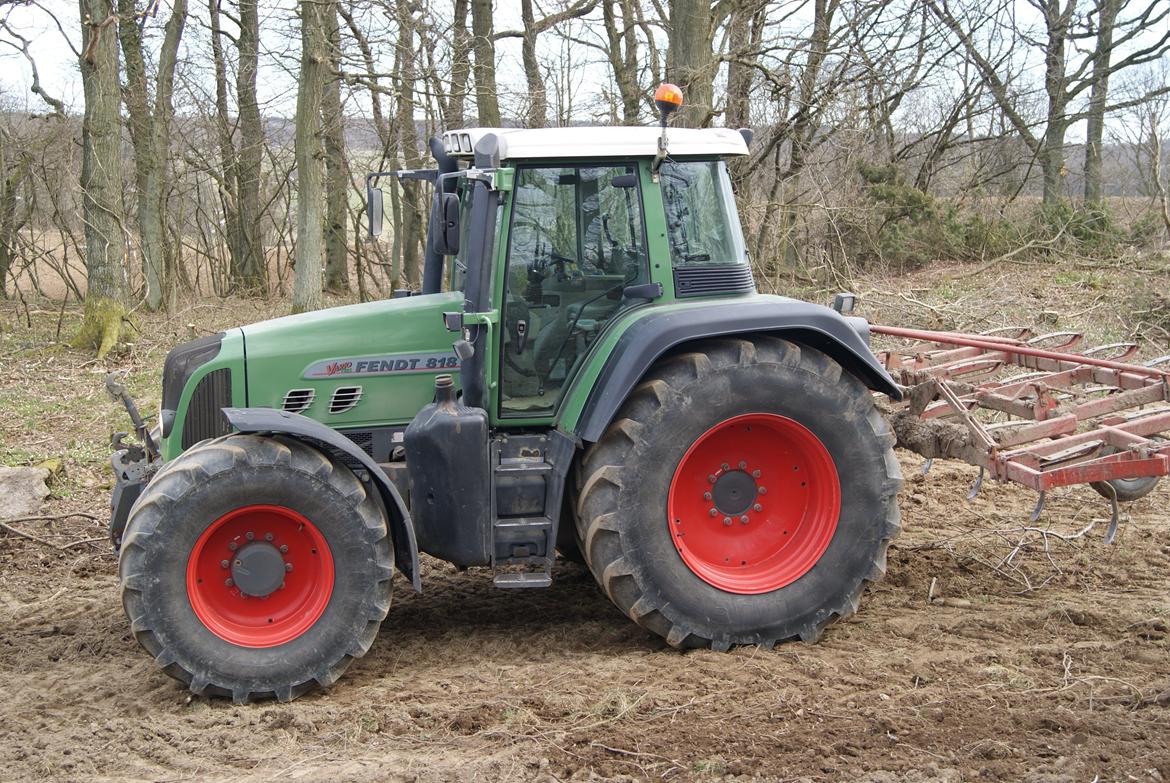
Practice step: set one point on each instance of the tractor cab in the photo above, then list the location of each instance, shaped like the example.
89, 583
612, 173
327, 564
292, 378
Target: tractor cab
553, 234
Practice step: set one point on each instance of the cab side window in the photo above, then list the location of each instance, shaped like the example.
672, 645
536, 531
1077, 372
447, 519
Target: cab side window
576, 243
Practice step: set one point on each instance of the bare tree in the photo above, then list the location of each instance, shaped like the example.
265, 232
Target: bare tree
307, 289
150, 132
336, 166
107, 291
483, 45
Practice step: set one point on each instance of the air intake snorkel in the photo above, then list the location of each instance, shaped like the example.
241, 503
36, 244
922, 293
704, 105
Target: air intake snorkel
432, 282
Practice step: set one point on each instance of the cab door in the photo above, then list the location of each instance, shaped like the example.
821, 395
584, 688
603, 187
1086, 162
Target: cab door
576, 242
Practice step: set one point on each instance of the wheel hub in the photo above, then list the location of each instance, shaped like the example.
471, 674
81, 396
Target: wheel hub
260, 576
734, 492
258, 569
754, 503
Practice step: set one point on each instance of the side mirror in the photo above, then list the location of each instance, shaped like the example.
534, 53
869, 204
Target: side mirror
373, 208
446, 230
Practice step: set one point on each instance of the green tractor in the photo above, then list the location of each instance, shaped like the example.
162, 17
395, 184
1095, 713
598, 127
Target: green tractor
588, 368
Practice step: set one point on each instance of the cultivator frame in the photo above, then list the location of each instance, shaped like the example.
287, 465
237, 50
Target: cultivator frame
1030, 409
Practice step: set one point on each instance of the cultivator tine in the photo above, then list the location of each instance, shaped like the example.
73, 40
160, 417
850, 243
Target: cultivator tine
1114, 513
1056, 341
1035, 515
1158, 362
1113, 351
926, 466
978, 485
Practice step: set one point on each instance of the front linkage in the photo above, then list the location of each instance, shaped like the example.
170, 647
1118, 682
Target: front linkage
134, 463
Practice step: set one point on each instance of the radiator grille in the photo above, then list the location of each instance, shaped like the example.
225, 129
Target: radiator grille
204, 417
713, 279
364, 440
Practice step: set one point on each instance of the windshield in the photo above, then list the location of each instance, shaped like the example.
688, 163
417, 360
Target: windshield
701, 220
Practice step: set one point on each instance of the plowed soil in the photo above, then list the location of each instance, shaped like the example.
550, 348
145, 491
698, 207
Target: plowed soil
995, 649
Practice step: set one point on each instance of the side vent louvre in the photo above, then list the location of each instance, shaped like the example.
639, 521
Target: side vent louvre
345, 398
298, 400
204, 418
710, 280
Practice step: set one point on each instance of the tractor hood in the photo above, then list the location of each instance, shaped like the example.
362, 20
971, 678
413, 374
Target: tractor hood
363, 365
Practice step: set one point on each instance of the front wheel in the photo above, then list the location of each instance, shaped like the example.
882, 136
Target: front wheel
255, 567
744, 494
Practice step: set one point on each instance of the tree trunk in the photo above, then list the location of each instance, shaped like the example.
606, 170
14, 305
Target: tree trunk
336, 168
1107, 11
149, 133
101, 180
537, 97
307, 294
622, 53
483, 44
1057, 20
460, 66
411, 225
251, 266
689, 62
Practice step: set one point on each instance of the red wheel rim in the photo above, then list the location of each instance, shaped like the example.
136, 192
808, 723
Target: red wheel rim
248, 549
754, 503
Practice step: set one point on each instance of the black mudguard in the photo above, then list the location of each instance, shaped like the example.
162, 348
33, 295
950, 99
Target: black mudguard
316, 434
653, 335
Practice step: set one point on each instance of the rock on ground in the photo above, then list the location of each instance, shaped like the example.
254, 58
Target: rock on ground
21, 491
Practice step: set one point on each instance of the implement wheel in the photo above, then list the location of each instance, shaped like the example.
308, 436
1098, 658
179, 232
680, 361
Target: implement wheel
256, 567
744, 494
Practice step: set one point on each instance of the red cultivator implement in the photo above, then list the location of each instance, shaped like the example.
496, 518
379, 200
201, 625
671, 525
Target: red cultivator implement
1034, 410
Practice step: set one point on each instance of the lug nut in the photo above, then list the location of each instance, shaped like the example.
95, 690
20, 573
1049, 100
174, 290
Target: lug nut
238, 563
725, 466
232, 545
744, 519
706, 496
742, 465
288, 566
283, 548
757, 507
268, 536
223, 564
755, 474
250, 536
228, 582
711, 478
763, 490
727, 520
713, 512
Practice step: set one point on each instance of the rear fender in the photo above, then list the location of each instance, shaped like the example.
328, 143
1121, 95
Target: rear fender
317, 435
656, 333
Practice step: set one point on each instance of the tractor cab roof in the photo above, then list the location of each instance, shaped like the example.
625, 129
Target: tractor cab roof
595, 142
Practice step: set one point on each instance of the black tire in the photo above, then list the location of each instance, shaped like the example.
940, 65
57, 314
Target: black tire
202, 485
1126, 490
624, 480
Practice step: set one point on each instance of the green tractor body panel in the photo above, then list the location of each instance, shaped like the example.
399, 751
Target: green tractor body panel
392, 349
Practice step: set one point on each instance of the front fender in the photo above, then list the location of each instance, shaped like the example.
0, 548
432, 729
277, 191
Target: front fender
316, 434
655, 333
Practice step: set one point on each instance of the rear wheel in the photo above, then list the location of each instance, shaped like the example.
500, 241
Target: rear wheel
744, 494
256, 567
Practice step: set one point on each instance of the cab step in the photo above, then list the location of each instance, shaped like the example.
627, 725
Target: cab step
512, 581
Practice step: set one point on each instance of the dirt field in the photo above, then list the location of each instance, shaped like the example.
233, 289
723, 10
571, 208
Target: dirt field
1040, 659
